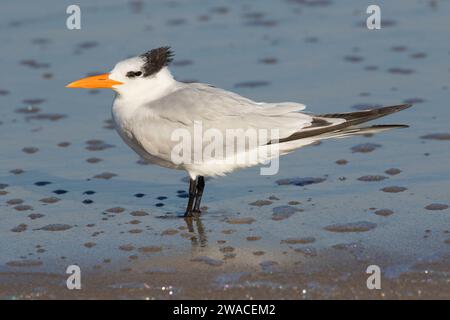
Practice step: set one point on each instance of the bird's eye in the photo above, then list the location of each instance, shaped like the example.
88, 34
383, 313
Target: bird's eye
132, 74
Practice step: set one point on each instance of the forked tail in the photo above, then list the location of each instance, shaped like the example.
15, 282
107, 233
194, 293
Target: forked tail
325, 126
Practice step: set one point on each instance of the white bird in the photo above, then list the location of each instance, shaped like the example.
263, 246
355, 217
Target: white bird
150, 105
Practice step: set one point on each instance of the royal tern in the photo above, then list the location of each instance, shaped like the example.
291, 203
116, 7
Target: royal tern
150, 105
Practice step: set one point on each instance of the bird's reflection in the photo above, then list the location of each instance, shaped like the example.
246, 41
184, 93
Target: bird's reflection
199, 238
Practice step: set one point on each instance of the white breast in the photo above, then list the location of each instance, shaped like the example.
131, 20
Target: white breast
125, 117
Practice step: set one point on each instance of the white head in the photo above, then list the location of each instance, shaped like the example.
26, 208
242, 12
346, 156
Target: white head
145, 75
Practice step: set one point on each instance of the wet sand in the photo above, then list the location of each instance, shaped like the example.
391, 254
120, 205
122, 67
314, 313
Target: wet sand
72, 193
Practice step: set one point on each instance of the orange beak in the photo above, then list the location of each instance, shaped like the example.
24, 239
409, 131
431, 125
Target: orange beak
100, 81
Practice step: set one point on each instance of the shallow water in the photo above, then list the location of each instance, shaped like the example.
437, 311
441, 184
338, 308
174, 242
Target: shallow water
72, 193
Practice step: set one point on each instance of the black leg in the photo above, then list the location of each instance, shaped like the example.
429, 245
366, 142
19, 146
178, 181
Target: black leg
192, 186
198, 197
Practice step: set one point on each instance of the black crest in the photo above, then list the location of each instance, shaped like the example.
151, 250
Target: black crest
156, 59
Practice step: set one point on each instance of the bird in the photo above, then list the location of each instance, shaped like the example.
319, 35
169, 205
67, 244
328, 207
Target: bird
150, 105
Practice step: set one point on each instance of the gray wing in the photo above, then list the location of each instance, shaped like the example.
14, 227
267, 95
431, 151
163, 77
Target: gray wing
222, 109
213, 108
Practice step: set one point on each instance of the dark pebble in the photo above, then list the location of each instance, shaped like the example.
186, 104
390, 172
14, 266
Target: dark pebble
394, 189
60, 191
437, 136
138, 213
393, 171
305, 240
30, 150
14, 202
47, 116
365, 147
90, 245
300, 181
360, 226
93, 160
436, 206
371, 178
268, 60
50, 200
23, 207
20, 228
401, 71
34, 64
384, 212
105, 175
183, 195
251, 84
63, 144
97, 145
260, 203
56, 227
28, 110
87, 44
115, 210
24, 263
127, 247
283, 212
34, 216
353, 59
414, 100
42, 183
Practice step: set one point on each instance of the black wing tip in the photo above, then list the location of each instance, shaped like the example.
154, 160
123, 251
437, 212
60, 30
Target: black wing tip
390, 109
369, 115
397, 126
399, 107
385, 109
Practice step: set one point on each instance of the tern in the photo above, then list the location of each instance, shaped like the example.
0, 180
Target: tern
150, 105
